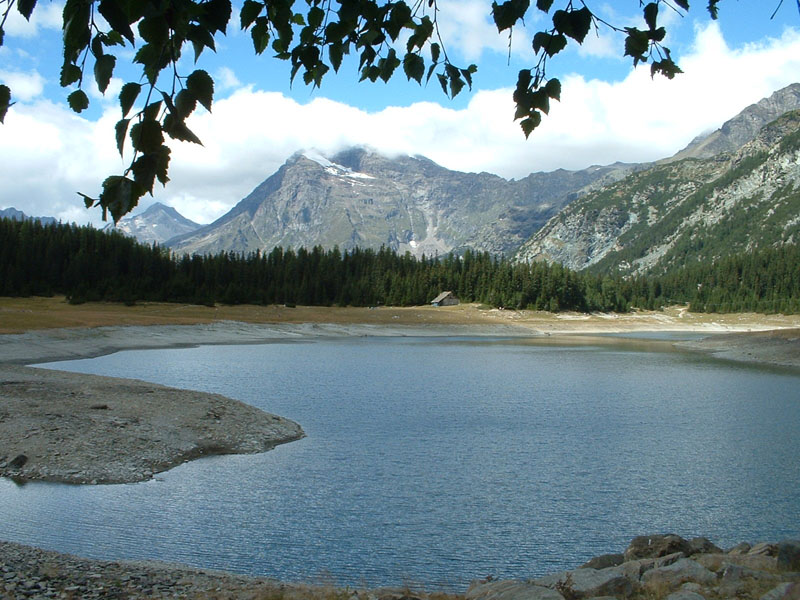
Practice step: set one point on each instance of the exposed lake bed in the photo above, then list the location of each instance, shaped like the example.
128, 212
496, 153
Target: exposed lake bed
480, 523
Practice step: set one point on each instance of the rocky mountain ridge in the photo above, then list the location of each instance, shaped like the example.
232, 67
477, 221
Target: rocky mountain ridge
17, 215
158, 224
359, 198
743, 128
683, 211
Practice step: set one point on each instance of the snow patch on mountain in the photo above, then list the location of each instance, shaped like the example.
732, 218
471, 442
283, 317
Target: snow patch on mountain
333, 168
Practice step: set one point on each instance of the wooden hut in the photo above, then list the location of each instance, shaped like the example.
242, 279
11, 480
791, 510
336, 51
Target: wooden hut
445, 299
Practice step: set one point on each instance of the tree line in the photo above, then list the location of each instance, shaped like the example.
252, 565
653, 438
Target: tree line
86, 264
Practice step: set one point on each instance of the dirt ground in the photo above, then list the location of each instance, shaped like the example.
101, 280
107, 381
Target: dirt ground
18, 315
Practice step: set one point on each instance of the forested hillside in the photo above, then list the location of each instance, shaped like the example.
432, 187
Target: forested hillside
684, 213
86, 264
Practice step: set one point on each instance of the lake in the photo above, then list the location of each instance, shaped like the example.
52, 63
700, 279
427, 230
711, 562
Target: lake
438, 460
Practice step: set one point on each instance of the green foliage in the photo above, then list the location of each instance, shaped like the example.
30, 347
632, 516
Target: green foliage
90, 265
5, 101
314, 36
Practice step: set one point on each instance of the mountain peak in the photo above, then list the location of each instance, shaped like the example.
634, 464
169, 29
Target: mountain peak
359, 197
17, 215
158, 224
744, 127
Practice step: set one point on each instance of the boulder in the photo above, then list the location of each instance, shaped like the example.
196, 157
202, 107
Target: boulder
18, 462
633, 569
784, 591
511, 590
741, 548
701, 545
654, 546
737, 573
718, 562
764, 549
679, 572
669, 559
788, 555
586, 583
604, 561
685, 595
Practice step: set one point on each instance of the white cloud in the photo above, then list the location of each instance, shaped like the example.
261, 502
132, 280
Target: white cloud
601, 43
467, 26
226, 79
47, 154
47, 16
24, 86
112, 91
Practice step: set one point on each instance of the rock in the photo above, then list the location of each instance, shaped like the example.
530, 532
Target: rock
765, 549
18, 462
680, 572
735, 575
669, 559
585, 583
788, 555
511, 590
685, 595
701, 545
784, 591
718, 562
742, 548
604, 561
633, 569
654, 546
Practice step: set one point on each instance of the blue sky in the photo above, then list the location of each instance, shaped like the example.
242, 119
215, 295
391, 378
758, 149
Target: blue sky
609, 111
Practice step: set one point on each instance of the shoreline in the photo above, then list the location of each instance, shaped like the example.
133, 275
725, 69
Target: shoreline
180, 434
652, 567
153, 428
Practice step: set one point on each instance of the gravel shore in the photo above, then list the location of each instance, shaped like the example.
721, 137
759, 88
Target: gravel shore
27, 572
75, 428
779, 347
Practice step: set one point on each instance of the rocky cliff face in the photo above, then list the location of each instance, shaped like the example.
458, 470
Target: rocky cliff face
361, 198
157, 224
684, 211
744, 127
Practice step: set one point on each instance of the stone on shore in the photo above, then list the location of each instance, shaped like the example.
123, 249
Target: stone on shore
654, 546
788, 555
604, 561
27, 572
586, 583
511, 590
679, 572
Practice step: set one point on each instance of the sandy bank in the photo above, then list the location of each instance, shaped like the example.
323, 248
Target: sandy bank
76, 428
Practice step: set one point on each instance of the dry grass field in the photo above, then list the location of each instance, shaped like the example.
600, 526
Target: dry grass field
18, 315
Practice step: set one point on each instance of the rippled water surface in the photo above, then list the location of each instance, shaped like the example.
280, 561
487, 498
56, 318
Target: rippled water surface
435, 461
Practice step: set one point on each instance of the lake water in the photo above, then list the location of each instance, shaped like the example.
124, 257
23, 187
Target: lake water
434, 461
